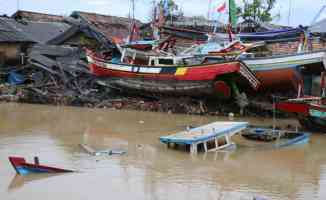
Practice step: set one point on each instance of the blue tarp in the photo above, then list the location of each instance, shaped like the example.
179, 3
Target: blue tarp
272, 35
15, 78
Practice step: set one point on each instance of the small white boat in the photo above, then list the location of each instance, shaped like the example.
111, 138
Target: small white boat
213, 137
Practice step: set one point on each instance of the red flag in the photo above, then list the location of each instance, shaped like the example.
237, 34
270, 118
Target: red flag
221, 8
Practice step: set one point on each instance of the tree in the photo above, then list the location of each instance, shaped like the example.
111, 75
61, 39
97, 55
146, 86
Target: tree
172, 10
257, 10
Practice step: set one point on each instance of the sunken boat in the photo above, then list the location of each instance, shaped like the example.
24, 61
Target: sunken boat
277, 138
24, 168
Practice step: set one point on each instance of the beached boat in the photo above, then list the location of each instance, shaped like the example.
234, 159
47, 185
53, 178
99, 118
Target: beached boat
272, 36
212, 137
175, 74
285, 69
282, 70
278, 138
23, 168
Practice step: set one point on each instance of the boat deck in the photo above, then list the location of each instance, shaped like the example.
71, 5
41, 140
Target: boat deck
207, 133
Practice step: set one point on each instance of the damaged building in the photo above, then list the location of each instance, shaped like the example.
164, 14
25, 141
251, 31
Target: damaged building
17, 35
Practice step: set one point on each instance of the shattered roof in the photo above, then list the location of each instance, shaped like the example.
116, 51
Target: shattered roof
9, 34
110, 26
37, 17
39, 32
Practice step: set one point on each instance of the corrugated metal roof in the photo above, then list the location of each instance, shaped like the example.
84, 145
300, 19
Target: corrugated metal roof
110, 26
37, 17
9, 34
39, 32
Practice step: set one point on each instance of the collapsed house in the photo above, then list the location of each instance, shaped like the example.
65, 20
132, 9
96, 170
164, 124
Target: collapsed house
16, 36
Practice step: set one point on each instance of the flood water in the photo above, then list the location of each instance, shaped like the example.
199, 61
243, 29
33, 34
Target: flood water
149, 170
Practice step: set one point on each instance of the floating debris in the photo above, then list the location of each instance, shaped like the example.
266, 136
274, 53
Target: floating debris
109, 152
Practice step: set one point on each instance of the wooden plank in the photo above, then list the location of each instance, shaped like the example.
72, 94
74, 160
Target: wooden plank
88, 149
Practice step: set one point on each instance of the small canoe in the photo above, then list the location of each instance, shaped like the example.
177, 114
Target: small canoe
24, 168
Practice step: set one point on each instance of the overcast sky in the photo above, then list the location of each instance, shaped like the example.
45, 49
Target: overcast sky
302, 12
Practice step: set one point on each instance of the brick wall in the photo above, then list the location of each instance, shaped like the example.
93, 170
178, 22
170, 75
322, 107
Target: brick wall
292, 47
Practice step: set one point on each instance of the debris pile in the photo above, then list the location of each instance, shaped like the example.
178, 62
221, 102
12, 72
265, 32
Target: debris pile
60, 76
55, 75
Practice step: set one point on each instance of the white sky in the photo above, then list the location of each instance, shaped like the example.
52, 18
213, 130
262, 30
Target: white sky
302, 12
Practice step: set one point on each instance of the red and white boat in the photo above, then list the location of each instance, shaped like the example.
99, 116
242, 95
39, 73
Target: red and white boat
173, 75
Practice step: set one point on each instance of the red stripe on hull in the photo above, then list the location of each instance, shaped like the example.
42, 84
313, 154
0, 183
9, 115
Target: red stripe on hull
209, 72
197, 73
293, 107
104, 72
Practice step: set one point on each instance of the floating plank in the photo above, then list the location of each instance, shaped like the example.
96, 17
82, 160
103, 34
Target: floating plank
93, 152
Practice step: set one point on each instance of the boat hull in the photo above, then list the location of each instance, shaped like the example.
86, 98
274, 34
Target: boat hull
310, 113
313, 123
288, 78
24, 168
278, 138
284, 70
174, 79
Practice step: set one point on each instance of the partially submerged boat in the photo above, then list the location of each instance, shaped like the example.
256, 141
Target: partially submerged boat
277, 138
211, 137
24, 168
310, 111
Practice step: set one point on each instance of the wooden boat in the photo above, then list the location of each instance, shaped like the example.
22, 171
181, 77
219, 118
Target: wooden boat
279, 138
282, 70
213, 137
174, 73
141, 45
23, 168
272, 36
310, 111
185, 33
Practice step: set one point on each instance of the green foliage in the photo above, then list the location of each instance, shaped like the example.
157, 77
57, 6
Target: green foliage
257, 10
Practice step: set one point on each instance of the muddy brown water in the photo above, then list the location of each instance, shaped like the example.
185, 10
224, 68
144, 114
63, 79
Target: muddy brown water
149, 170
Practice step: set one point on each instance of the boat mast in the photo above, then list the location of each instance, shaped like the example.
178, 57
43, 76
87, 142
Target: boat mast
290, 12
132, 28
229, 26
209, 9
323, 84
318, 15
